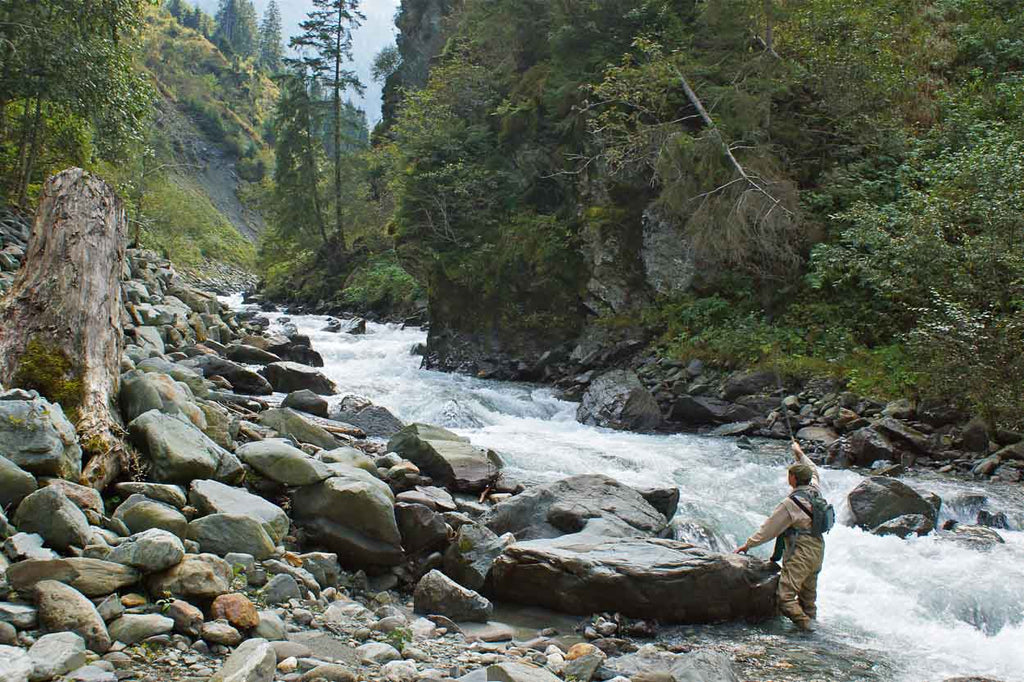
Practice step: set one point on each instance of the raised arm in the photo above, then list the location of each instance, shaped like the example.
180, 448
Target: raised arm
801, 458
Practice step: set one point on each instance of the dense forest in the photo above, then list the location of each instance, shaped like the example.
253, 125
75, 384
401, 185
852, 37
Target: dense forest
834, 188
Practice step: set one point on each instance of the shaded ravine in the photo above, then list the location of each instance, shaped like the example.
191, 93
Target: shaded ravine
921, 609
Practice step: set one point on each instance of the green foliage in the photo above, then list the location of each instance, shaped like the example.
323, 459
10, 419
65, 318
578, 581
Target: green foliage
237, 33
381, 285
271, 48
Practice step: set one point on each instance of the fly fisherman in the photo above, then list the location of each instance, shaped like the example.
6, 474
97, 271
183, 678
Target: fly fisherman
805, 548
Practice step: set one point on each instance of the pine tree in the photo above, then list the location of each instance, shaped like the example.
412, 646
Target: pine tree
176, 8
271, 51
326, 45
236, 31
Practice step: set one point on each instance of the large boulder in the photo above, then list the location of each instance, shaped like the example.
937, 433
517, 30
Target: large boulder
242, 379
142, 392
186, 375
469, 558
288, 422
139, 513
149, 551
352, 514
306, 401
15, 664
179, 453
223, 534
255, 660
906, 525
63, 608
198, 576
35, 435
91, 577
567, 506
867, 445
448, 459
671, 581
376, 421
56, 654
54, 517
698, 410
15, 483
132, 628
618, 400
748, 383
278, 460
286, 377
213, 497
650, 663
173, 495
422, 528
250, 355
879, 499
437, 594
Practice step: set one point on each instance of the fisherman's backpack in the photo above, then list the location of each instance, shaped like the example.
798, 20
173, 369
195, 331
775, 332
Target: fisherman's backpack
823, 516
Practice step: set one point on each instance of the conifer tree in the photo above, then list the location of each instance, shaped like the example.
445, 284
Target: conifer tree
176, 8
236, 27
326, 47
271, 52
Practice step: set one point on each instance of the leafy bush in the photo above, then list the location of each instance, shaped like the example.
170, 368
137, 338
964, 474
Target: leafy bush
381, 285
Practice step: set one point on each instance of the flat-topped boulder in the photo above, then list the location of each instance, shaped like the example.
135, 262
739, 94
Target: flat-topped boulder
288, 422
242, 379
673, 582
179, 453
142, 392
450, 460
278, 460
91, 577
213, 497
223, 534
250, 355
567, 506
197, 576
286, 377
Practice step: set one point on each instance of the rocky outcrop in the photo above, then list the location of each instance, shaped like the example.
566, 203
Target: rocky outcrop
671, 581
618, 400
448, 459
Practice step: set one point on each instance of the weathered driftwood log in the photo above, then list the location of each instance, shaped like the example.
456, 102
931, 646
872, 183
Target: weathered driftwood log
60, 330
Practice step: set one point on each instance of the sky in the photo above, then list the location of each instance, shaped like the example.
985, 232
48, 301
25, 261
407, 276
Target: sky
377, 32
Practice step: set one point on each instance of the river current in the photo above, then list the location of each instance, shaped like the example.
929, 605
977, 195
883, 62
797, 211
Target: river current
896, 610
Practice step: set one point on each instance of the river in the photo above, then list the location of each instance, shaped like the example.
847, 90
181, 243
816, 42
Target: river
897, 610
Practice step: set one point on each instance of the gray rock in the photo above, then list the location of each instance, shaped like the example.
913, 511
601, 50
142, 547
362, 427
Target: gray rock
975, 435
142, 392
63, 608
91, 577
649, 663
254, 661
21, 616
168, 494
188, 620
509, 671
150, 338
878, 499
179, 453
306, 401
665, 500
15, 664
149, 551
56, 654
671, 581
288, 422
436, 498
867, 445
975, 537
618, 400
280, 589
198, 576
286, 377
469, 558
271, 627
700, 410
376, 421
353, 515
21, 546
277, 460
567, 506
220, 632
905, 525
212, 497
54, 517
222, 534
139, 513
131, 628
35, 435
437, 594
90, 673
15, 483
8, 634
242, 380
186, 375
377, 652
85, 498
348, 457
323, 566
422, 528
448, 459
111, 608
817, 434
250, 355
899, 409
747, 383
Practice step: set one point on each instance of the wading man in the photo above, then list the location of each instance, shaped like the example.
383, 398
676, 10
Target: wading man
800, 520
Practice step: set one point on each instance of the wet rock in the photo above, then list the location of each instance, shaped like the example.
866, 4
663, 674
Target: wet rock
54, 517
139, 513
671, 581
149, 551
422, 529
198, 576
250, 355
131, 628
286, 377
36, 436
436, 593
877, 500
976, 537
15, 483
222, 534
178, 452
867, 445
469, 558
665, 500
353, 515
307, 401
568, 505
618, 400
254, 661
242, 380
277, 460
376, 421
288, 422
56, 654
448, 459
91, 577
906, 525
236, 609
213, 497
699, 410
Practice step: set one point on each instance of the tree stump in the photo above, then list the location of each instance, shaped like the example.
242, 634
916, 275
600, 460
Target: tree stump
60, 327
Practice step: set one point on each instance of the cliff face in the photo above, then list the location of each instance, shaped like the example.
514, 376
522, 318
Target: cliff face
421, 37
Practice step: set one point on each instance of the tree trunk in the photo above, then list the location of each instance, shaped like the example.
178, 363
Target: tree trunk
60, 329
